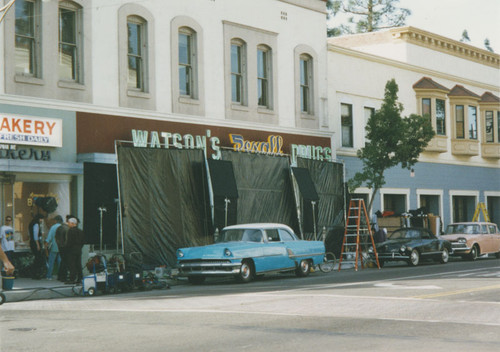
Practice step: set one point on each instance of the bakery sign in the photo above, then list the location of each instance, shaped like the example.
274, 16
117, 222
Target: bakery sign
28, 130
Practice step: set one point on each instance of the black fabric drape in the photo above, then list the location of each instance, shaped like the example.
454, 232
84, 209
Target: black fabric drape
264, 188
328, 177
165, 201
100, 190
225, 192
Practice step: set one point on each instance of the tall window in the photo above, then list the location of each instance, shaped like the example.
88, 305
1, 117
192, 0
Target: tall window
186, 62
69, 32
237, 72
440, 117
26, 54
306, 84
459, 121
490, 136
263, 74
426, 108
498, 125
136, 53
347, 133
472, 122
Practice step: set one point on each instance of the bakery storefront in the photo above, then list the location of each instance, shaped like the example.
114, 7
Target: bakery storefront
38, 169
180, 183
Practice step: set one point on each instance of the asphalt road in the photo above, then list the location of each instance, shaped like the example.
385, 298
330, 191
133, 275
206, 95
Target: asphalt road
432, 307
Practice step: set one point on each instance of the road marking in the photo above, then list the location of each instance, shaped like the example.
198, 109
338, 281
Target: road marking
451, 293
406, 287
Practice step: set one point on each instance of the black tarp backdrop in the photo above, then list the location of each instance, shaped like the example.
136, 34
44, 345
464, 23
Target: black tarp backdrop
225, 192
328, 178
265, 192
165, 201
100, 189
308, 199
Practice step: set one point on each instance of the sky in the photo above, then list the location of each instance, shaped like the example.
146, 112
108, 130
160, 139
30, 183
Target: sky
449, 18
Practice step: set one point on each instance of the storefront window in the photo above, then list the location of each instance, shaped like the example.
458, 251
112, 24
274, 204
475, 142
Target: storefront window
23, 200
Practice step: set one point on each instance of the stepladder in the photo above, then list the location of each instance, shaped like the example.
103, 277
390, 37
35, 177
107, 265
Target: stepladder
481, 208
358, 237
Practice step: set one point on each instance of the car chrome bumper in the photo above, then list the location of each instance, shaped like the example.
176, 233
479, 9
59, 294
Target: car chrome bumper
460, 249
392, 256
212, 268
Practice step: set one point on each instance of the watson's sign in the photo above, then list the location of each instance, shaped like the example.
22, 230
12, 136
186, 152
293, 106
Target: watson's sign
273, 144
15, 129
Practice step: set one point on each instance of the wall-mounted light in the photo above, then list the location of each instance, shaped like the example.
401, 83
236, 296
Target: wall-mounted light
412, 173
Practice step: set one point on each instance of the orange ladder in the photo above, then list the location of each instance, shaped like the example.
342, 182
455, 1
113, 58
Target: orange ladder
357, 236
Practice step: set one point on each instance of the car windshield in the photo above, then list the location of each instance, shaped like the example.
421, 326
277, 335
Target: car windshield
245, 235
462, 229
405, 234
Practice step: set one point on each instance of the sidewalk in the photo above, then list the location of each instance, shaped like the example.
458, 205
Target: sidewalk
28, 289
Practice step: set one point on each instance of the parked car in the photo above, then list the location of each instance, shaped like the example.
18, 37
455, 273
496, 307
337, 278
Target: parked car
411, 244
473, 239
244, 251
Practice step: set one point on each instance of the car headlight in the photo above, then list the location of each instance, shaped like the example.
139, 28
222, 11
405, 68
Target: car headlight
462, 240
180, 254
402, 249
227, 252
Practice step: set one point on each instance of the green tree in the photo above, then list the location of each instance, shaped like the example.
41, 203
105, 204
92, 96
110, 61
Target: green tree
391, 140
367, 15
488, 46
465, 37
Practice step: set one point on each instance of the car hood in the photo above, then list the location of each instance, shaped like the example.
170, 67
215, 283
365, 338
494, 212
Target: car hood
396, 244
453, 237
216, 251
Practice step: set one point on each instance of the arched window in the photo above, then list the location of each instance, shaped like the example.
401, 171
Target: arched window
238, 71
137, 51
70, 42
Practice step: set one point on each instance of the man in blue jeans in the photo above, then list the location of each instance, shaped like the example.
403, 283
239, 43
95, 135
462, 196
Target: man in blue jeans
51, 245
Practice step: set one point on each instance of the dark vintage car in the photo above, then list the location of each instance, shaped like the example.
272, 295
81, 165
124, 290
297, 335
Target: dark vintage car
244, 251
412, 244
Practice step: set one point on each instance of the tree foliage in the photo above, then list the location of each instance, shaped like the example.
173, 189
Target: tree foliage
391, 140
465, 37
366, 15
488, 46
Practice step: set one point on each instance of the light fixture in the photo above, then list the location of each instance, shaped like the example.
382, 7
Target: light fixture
412, 173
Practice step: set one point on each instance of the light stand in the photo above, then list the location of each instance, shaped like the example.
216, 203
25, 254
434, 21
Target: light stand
313, 203
227, 201
101, 211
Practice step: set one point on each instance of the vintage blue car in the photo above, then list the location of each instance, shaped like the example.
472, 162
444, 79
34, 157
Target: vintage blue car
244, 251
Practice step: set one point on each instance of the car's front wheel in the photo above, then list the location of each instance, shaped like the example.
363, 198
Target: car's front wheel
474, 253
304, 268
414, 258
445, 256
246, 272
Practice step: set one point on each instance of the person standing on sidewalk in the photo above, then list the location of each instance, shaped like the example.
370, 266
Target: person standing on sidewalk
8, 268
7, 236
61, 240
51, 246
75, 241
36, 238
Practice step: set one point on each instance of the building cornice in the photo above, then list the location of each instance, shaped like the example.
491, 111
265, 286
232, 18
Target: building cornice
315, 5
160, 116
409, 67
449, 46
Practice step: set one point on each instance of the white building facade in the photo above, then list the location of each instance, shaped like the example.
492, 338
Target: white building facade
455, 84
163, 73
